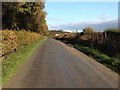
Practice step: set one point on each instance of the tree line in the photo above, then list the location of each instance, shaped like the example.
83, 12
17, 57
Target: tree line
29, 16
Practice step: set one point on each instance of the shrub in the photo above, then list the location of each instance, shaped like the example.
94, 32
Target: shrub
12, 40
112, 30
87, 30
116, 64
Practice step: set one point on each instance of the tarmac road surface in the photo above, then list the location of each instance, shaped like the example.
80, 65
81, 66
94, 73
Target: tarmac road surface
56, 65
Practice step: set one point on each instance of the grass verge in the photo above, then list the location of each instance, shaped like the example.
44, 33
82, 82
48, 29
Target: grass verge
11, 64
110, 62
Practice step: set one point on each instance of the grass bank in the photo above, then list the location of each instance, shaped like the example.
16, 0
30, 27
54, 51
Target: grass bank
110, 62
13, 62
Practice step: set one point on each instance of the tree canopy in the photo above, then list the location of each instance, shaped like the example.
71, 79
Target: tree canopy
88, 30
24, 15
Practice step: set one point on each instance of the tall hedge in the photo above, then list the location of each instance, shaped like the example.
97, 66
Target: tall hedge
12, 40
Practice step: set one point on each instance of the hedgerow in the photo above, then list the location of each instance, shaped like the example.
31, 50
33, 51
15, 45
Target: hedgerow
12, 40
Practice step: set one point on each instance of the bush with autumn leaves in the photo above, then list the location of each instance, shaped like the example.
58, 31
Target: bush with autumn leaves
12, 40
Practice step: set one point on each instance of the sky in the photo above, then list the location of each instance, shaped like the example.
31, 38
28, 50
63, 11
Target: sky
67, 13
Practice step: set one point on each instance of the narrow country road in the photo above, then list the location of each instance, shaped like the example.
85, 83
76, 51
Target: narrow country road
56, 65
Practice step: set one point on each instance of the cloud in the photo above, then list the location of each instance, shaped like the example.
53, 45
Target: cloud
97, 25
54, 19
